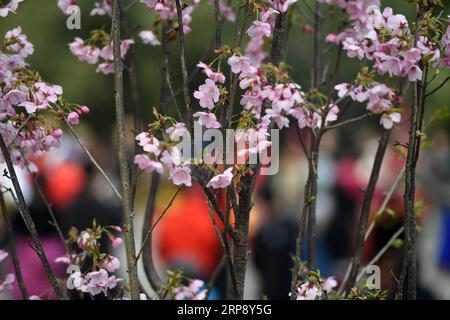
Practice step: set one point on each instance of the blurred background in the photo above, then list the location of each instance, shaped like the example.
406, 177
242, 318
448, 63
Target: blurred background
185, 238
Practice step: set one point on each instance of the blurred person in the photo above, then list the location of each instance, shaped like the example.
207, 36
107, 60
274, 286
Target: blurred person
282, 200
434, 241
185, 238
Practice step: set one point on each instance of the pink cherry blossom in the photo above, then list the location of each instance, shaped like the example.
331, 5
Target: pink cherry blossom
208, 94
73, 118
213, 75
9, 7
241, 64
144, 163
3, 255
103, 7
332, 115
194, 291
177, 131
87, 53
148, 37
329, 284
115, 241
111, 263
99, 282
181, 176
259, 29
7, 282
389, 119
307, 291
149, 143
222, 180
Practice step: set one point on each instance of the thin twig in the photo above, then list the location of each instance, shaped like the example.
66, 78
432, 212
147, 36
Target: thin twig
381, 252
23, 209
149, 233
438, 87
20, 129
348, 121
93, 161
226, 248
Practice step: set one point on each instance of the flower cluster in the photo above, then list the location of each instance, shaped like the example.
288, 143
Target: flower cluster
194, 291
8, 280
24, 98
379, 97
445, 61
167, 11
99, 50
92, 274
315, 288
159, 153
101, 8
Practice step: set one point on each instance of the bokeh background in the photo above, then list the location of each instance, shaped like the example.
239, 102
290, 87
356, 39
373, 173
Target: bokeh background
185, 238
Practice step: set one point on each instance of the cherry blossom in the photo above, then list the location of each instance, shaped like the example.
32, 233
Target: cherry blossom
241, 65
9, 7
149, 143
7, 282
388, 119
207, 119
259, 29
87, 53
103, 7
329, 284
177, 131
194, 291
111, 263
148, 37
222, 180
180, 175
144, 163
213, 75
3, 255
73, 118
307, 291
115, 241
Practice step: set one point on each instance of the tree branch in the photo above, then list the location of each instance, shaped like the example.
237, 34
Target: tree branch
12, 246
122, 154
365, 209
23, 209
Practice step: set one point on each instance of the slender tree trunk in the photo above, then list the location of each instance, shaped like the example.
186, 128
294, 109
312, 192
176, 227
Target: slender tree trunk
240, 252
312, 199
409, 266
12, 245
365, 209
